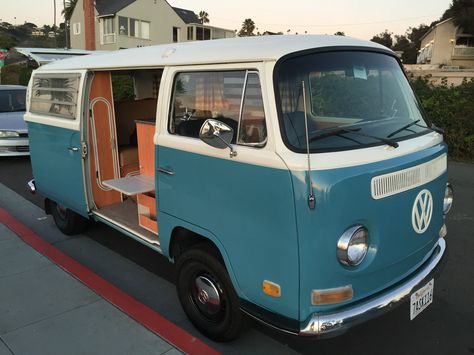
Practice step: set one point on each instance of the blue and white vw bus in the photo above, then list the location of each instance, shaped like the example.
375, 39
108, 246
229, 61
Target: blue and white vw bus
294, 179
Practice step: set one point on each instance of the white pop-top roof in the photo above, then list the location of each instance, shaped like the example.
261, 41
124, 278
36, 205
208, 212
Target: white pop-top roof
231, 50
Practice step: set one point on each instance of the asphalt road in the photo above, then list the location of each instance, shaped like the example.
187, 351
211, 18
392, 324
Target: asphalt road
446, 327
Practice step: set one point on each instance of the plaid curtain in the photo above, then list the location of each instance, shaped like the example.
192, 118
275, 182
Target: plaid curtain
210, 92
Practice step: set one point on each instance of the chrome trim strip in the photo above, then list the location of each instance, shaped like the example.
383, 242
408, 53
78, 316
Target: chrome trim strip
327, 325
128, 232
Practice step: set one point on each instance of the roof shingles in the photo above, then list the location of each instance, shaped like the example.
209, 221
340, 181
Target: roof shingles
108, 7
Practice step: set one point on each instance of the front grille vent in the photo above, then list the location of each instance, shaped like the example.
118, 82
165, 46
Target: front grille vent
407, 179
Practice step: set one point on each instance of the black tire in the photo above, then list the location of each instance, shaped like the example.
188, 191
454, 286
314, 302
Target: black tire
67, 221
221, 322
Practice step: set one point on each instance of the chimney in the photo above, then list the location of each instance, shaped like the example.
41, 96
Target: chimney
89, 23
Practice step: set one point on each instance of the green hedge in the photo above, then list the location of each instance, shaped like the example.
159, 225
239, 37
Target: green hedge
451, 108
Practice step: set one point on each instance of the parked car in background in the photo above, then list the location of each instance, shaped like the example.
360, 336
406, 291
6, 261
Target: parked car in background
13, 129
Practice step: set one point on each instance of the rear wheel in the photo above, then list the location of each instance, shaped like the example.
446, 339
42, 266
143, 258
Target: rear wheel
67, 221
207, 295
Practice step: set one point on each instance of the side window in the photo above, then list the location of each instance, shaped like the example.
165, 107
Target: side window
252, 128
55, 95
232, 97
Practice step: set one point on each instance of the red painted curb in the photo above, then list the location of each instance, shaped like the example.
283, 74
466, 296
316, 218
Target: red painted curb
146, 316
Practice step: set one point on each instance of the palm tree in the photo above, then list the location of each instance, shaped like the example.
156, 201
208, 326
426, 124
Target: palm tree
203, 17
68, 9
248, 26
69, 6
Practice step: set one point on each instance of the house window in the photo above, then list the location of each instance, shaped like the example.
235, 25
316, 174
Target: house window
55, 95
176, 31
203, 33
232, 97
134, 28
76, 28
145, 27
123, 26
465, 41
190, 33
108, 30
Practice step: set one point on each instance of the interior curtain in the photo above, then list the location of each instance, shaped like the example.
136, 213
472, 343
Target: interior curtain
290, 92
210, 92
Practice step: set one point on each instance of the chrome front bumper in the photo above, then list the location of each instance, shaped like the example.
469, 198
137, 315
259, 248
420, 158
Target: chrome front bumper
14, 147
328, 325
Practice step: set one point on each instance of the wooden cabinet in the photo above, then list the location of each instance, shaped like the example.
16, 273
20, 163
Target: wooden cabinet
146, 147
146, 158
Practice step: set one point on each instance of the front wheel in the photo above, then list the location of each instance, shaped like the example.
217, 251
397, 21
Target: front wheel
67, 221
207, 295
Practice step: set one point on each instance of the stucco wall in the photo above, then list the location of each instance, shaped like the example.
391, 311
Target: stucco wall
436, 76
162, 19
443, 48
78, 41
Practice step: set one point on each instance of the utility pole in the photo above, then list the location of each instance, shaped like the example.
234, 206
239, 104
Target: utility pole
54, 26
54, 4
66, 25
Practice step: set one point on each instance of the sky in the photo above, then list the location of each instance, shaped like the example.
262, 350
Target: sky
357, 18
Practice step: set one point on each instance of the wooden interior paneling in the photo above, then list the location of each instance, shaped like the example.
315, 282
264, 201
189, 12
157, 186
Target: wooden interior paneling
146, 148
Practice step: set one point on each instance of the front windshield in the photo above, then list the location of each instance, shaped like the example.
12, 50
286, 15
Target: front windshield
361, 96
12, 100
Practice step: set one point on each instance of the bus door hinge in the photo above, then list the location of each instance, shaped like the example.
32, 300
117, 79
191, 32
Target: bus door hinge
84, 150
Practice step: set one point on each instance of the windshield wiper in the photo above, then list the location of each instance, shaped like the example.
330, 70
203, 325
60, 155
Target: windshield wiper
416, 123
341, 131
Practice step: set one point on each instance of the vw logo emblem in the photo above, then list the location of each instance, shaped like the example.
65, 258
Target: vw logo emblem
203, 297
422, 211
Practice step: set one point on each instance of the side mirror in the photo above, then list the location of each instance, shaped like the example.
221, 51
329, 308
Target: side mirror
218, 135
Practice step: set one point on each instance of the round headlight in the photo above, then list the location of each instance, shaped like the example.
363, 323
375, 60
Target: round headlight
448, 198
353, 245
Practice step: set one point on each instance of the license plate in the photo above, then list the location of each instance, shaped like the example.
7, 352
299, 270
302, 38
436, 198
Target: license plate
421, 299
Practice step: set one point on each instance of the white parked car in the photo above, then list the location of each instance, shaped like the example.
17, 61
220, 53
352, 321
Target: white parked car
13, 129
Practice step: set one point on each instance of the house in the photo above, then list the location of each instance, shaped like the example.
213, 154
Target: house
111, 25
446, 45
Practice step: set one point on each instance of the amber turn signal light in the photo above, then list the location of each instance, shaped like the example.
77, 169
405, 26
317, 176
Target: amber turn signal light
271, 288
332, 295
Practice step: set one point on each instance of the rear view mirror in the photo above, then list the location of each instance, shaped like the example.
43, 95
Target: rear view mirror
218, 135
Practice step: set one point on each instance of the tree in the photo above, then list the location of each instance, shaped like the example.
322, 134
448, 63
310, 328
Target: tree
463, 13
384, 38
68, 10
403, 44
6, 41
203, 17
339, 33
248, 26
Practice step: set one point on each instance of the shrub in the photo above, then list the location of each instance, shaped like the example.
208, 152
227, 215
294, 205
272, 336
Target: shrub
452, 109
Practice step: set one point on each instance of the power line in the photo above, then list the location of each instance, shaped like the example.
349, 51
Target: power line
335, 24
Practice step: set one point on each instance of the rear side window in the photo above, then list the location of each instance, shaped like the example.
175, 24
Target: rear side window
232, 97
55, 95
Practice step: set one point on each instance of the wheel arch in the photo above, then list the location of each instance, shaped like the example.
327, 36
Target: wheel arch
181, 236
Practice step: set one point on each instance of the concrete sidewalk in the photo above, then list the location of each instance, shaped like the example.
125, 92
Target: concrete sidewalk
44, 310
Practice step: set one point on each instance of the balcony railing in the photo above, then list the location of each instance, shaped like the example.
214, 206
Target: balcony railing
463, 52
109, 38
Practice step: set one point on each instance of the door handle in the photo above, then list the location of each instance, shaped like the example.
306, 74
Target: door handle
73, 149
166, 171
